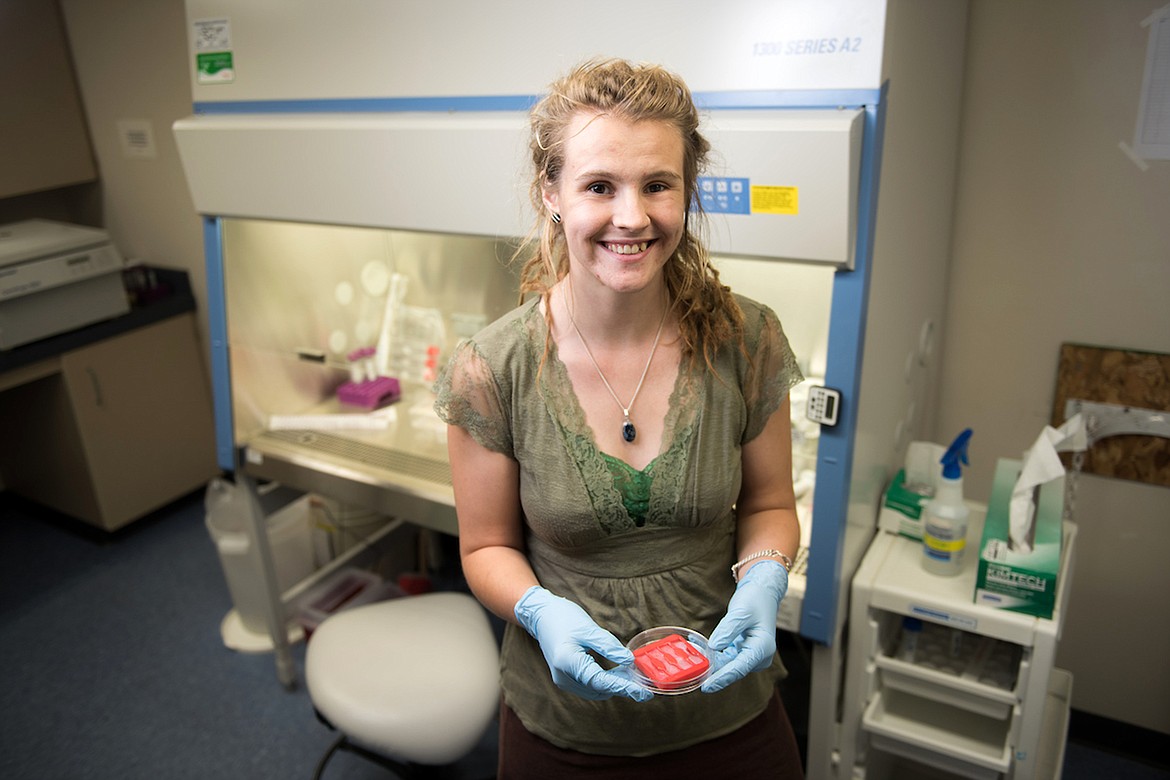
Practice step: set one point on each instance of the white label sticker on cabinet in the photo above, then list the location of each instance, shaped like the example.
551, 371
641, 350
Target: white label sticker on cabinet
946, 618
213, 34
214, 63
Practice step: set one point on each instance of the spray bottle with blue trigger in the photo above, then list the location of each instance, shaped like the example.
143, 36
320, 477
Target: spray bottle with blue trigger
944, 533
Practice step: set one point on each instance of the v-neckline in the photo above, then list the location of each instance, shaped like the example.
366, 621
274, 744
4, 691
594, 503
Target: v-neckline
684, 406
580, 423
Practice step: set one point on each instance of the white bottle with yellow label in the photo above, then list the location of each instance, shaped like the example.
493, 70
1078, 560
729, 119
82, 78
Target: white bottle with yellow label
944, 528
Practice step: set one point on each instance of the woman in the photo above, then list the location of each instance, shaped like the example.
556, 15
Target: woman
618, 444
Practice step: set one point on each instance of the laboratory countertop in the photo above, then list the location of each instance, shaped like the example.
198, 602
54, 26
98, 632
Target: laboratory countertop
168, 296
399, 468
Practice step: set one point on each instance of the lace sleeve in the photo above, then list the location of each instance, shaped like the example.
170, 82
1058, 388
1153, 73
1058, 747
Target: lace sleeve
468, 395
775, 370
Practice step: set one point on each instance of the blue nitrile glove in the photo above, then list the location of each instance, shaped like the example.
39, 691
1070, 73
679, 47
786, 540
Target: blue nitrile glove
565, 632
745, 638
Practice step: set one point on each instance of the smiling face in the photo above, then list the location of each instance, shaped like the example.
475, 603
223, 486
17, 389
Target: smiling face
621, 197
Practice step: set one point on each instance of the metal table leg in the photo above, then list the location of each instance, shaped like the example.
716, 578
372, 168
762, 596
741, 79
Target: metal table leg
274, 612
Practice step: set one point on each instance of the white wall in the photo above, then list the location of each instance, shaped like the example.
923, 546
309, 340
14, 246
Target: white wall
1060, 237
131, 62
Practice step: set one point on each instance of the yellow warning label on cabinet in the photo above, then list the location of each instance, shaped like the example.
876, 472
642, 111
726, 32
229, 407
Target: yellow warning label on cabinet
775, 200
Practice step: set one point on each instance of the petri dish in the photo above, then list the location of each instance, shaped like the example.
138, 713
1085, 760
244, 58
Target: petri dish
670, 660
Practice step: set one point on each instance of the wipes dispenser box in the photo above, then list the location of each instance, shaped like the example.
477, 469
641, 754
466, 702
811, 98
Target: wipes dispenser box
1019, 574
901, 510
911, 490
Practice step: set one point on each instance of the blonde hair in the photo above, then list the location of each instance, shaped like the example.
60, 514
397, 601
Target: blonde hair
707, 312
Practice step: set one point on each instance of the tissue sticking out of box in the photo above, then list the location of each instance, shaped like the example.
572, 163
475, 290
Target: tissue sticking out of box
1041, 464
922, 471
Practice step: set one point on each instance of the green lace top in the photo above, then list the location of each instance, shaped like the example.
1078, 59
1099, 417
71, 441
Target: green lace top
633, 485
634, 549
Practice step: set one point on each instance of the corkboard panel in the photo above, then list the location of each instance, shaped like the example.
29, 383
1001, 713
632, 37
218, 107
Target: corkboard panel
1126, 378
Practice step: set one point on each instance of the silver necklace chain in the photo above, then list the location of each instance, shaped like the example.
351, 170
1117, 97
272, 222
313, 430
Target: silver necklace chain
629, 432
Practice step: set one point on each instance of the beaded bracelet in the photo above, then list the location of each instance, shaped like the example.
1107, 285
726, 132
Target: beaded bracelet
785, 561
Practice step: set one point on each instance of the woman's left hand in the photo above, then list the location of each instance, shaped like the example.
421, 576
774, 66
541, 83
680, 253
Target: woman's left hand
745, 638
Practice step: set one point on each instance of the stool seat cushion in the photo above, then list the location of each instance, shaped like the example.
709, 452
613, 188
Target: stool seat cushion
414, 678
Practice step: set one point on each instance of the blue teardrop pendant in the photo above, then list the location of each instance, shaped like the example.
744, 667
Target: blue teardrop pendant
629, 432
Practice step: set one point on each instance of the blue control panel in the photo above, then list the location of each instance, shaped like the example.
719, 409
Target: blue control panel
725, 195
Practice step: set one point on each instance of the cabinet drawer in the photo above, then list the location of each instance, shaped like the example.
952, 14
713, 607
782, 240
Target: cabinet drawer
963, 669
938, 735
946, 688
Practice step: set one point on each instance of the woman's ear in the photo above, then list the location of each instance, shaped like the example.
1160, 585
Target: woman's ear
551, 199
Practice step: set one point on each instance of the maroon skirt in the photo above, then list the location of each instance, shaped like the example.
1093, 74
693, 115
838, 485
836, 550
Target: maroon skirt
765, 747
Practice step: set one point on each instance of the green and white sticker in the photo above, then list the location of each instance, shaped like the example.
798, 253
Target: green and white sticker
214, 67
213, 51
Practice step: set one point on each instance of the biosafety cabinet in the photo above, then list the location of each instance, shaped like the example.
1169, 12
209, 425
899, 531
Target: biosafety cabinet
361, 167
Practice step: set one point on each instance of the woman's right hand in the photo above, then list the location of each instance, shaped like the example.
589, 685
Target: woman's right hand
565, 633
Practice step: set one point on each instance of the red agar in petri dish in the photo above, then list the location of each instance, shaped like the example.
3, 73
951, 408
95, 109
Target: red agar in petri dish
670, 661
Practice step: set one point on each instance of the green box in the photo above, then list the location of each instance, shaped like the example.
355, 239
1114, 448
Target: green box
901, 510
1009, 579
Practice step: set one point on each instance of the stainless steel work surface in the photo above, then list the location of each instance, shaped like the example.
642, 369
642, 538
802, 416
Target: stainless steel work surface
401, 470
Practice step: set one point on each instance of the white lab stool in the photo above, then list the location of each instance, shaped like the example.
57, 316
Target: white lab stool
407, 682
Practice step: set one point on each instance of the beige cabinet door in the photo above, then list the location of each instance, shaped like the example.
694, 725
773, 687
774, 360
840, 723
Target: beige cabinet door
142, 405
